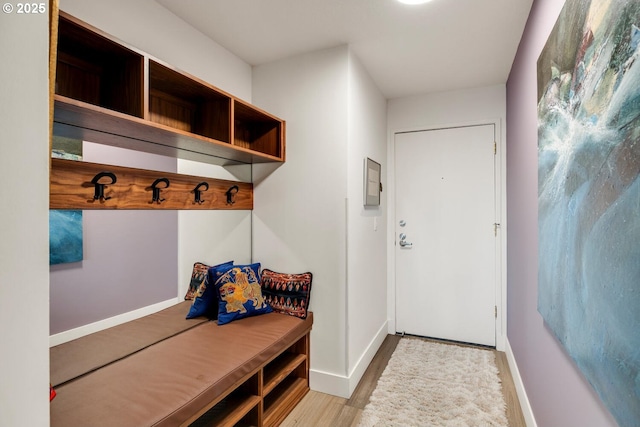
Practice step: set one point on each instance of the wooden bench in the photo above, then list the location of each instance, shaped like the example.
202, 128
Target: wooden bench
164, 370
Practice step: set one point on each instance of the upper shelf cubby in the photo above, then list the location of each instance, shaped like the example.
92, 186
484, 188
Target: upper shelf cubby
257, 130
183, 103
93, 69
114, 94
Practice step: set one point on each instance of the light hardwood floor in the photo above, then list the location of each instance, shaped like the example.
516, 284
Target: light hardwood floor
323, 410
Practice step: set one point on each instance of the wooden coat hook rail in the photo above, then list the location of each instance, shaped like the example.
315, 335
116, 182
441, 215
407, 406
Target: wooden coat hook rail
84, 185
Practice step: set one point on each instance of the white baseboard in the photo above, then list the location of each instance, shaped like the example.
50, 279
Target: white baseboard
365, 360
326, 382
81, 331
341, 385
527, 412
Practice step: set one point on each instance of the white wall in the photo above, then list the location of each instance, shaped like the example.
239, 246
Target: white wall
212, 237
471, 106
299, 217
203, 236
446, 108
24, 225
309, 213
367, 227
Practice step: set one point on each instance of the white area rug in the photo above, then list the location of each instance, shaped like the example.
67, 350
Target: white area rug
433, 384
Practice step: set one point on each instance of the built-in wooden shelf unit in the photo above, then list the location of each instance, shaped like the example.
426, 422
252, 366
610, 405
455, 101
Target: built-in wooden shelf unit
111, 93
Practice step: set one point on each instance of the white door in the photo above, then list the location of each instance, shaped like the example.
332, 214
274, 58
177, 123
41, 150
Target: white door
445, 237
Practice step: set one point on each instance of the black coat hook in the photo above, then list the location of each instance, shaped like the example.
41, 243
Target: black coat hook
156, 189
231, 194
198, 191
99, 186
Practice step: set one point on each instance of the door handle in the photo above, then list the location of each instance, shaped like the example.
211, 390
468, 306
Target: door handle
402, 242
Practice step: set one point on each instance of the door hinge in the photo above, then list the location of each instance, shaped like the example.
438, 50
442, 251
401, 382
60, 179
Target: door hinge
495, 148
495, 311
496, 225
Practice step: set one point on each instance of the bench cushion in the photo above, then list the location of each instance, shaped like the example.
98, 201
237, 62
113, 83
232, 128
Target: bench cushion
168, 382
75, 358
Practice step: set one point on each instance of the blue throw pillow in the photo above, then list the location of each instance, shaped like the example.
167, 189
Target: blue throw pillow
205, 301
239, 293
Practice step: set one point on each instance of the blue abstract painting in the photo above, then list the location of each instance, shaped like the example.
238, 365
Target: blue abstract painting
65, 226
65, 236
589, 195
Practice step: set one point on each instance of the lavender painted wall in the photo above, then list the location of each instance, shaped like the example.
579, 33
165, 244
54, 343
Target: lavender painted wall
130, 257
558, 393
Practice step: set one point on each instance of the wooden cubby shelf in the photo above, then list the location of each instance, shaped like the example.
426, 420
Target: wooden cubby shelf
256, 130
235, 409
268, 395
280, 369
96, 70
114, 94
279, 403
183, 103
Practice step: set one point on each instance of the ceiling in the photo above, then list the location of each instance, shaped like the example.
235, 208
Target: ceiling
407, 50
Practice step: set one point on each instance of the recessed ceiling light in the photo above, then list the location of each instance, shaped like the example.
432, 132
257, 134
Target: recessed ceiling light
414, 1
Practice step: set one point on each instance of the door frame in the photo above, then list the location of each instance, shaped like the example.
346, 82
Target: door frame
501, 218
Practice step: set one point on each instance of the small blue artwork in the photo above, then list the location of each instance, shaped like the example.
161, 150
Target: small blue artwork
589, 195
65, 226
65, 236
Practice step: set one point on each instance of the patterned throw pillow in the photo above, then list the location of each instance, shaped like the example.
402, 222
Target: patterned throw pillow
205, 299
239, 293
198, 274
287, 293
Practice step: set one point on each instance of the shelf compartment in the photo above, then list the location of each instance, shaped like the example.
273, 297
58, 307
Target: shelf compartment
183, 103
236, 409
280, 368
97, 70
258, 131
279, 403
